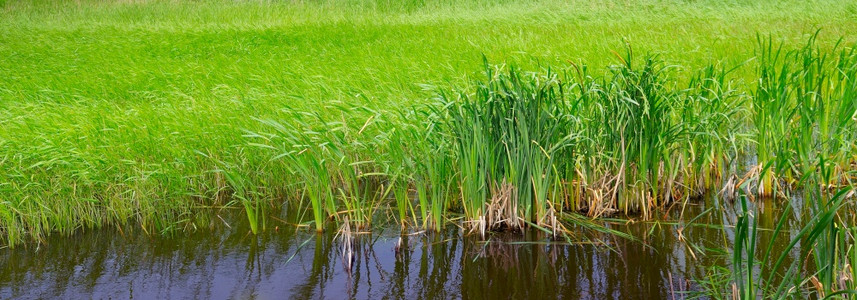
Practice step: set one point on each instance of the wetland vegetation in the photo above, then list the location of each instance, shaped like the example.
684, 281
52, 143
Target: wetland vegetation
718, 138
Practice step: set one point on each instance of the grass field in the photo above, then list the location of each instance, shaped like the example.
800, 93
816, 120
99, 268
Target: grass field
137, 113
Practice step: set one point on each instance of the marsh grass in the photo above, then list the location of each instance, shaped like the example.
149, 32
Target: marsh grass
516, 148
642, 132
246, 194
333, 160
108, 107
800, 110
824, 241
506, 136
135, 114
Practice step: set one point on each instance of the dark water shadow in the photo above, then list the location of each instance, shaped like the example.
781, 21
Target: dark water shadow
287, 262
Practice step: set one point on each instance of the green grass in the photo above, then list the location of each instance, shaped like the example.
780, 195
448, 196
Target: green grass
122, 113
803, 112
507, 135
825, 240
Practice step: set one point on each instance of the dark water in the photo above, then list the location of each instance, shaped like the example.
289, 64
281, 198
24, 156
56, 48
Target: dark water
285, 262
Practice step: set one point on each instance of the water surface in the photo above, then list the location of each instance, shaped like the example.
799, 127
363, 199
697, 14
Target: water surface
227, 262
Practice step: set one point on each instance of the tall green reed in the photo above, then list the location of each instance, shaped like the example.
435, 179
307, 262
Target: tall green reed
803, 110
333, 159
824, 242
505, 134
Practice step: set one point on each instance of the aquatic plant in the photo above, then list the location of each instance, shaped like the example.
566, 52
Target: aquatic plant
823, 268
506, 135
803, 110
518, 148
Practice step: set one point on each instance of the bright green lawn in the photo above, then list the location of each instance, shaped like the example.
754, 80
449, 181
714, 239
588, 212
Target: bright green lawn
107, 107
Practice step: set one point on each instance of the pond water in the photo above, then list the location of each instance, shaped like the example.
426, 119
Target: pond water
227, 262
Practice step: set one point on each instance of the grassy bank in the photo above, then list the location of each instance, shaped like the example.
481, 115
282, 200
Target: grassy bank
140, 113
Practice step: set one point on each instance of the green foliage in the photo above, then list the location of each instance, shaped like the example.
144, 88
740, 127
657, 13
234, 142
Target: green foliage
508, 133
132, 114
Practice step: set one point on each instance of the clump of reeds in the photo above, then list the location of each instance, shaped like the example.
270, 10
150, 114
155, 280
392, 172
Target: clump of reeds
506, 136
639, 130
528, 145
646, 142
803, 110
518, 149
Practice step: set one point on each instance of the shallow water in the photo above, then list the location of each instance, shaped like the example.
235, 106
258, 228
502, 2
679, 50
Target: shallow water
284, 262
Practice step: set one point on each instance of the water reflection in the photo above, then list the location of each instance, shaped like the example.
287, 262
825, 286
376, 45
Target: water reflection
229, 263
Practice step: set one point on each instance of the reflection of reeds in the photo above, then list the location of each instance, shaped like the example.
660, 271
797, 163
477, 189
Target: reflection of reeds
502, 255
346, 241
678, 287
